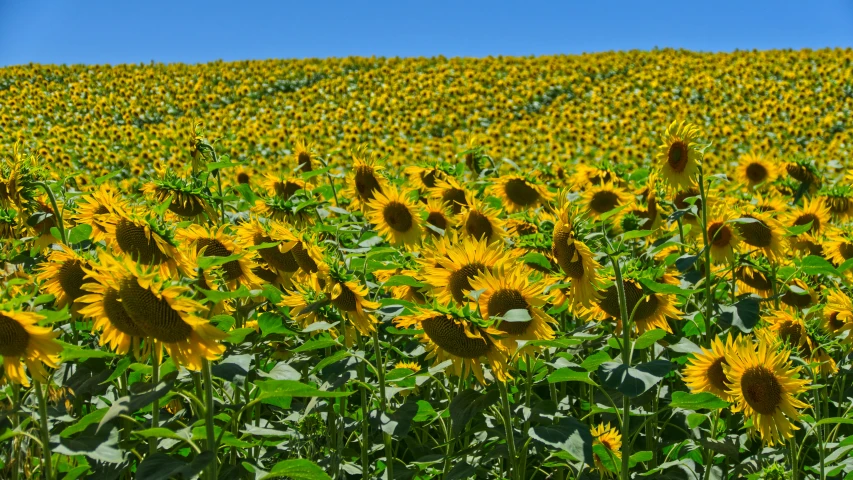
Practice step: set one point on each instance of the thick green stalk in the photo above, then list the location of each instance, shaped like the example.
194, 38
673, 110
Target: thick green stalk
709, 303
45, 431
155, 408
510, 438
365, 432
626, 360
380, 371
208, 417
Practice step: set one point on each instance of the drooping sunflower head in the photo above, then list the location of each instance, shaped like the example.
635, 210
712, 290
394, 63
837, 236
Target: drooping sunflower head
450, 271
64, 276
277, 185
366, 179
17, 179
448, 191
679, 154
798, 294
600, 199
308, 304
24, 342
839, 201
237, 264
838, 313
274, 242
350, 297
288, 210
424, 177
753, 280
95, 209
577, 261
145, 241
163, 310
304, 155
186, 200
514, 302
474, 155
760, 231
396, 217
452, 335
755, 170
839, 246
704, 372
764, 385
481, 222
519, 193
791, 330
805, 172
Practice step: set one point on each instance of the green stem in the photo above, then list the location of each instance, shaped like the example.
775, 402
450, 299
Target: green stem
626, 360
365, 464
709, 304
208, 416
59, 223
45, 431
510, 438
155, 408
380, 371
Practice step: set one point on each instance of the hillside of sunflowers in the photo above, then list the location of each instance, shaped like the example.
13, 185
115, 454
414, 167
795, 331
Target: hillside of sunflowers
616, 265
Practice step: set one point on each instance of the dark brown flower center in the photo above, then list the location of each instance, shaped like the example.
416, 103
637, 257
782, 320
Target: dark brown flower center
479, 225
603, 201
455, 197
459, 281
677, 156
273, 256
304, 160
520, 192
451, 337
805, 218
756, 173
153, 315
366, 183
118, 316
347, 301
503, 301
303, 258
720, 234
215, 248
71, 278
14, 338
438, 220
633, 295
286, 189
398, 217
761, 389
796, 299
242, 178
753, 278
716, 376
132, 239
755, 233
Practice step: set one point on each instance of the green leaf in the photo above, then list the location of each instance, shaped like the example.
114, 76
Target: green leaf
568, 435
696, 419
399, 280
814, 265
537, 259
297, 469
160, 432
516, 315
592, 362
121, 366
630, 235
271, 323
271, 389
207, 262
313, 173
640, 457
317, 344
633, 381
744, 314
81, 424
649, 338
76, 352
665, 288
326, 361
798, 229
467, 404
79, 233
847, 265
566, 374
835, 421
697, 401
105, 178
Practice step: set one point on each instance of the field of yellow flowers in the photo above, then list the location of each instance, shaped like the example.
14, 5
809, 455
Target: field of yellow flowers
618, 265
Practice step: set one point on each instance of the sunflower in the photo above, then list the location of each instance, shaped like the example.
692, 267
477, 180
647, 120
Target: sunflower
753, 280
310, 259
451, 336
243, 175
278, 186
408, 293
576, 261
481, 222
839, 200
42, 221
756, 170
94, 210
594, 175
263, 235
812, 212
438, 215
423, 177
23, 340
144, 242
771, 205
763, 385
518, 193
448, 191
216, 242
450, 271
185, 199
838, 313
804, 172
650, 310
64, 276
704, 372
304, 155
365, 180
413, 366
308, 304
600, 199
679, 156
165, 312
791, 330
761, 231
609, 438
396, 217
839, 247
723, 237
103, 305
505, 289
679, 200
350, 298
799, 294
283, 210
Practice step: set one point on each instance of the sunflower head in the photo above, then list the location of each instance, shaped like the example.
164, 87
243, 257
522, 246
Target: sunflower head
186, 199
451, 267
705, 371
396, 216
24, 342
611, 440
439, 216
755, 170
519, 193
64, 275
679, 154
365, 180
448, 191
305, 156
481, 222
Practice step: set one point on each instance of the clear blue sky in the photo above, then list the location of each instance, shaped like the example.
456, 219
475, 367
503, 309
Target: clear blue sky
131, 31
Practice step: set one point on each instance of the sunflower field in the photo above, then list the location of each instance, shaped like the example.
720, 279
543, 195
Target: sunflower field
617, 265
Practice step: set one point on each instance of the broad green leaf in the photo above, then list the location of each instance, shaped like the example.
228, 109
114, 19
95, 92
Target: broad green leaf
697, 401
647, 339
297, 469
566, 374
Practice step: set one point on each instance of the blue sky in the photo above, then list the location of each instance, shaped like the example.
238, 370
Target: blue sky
119, 31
